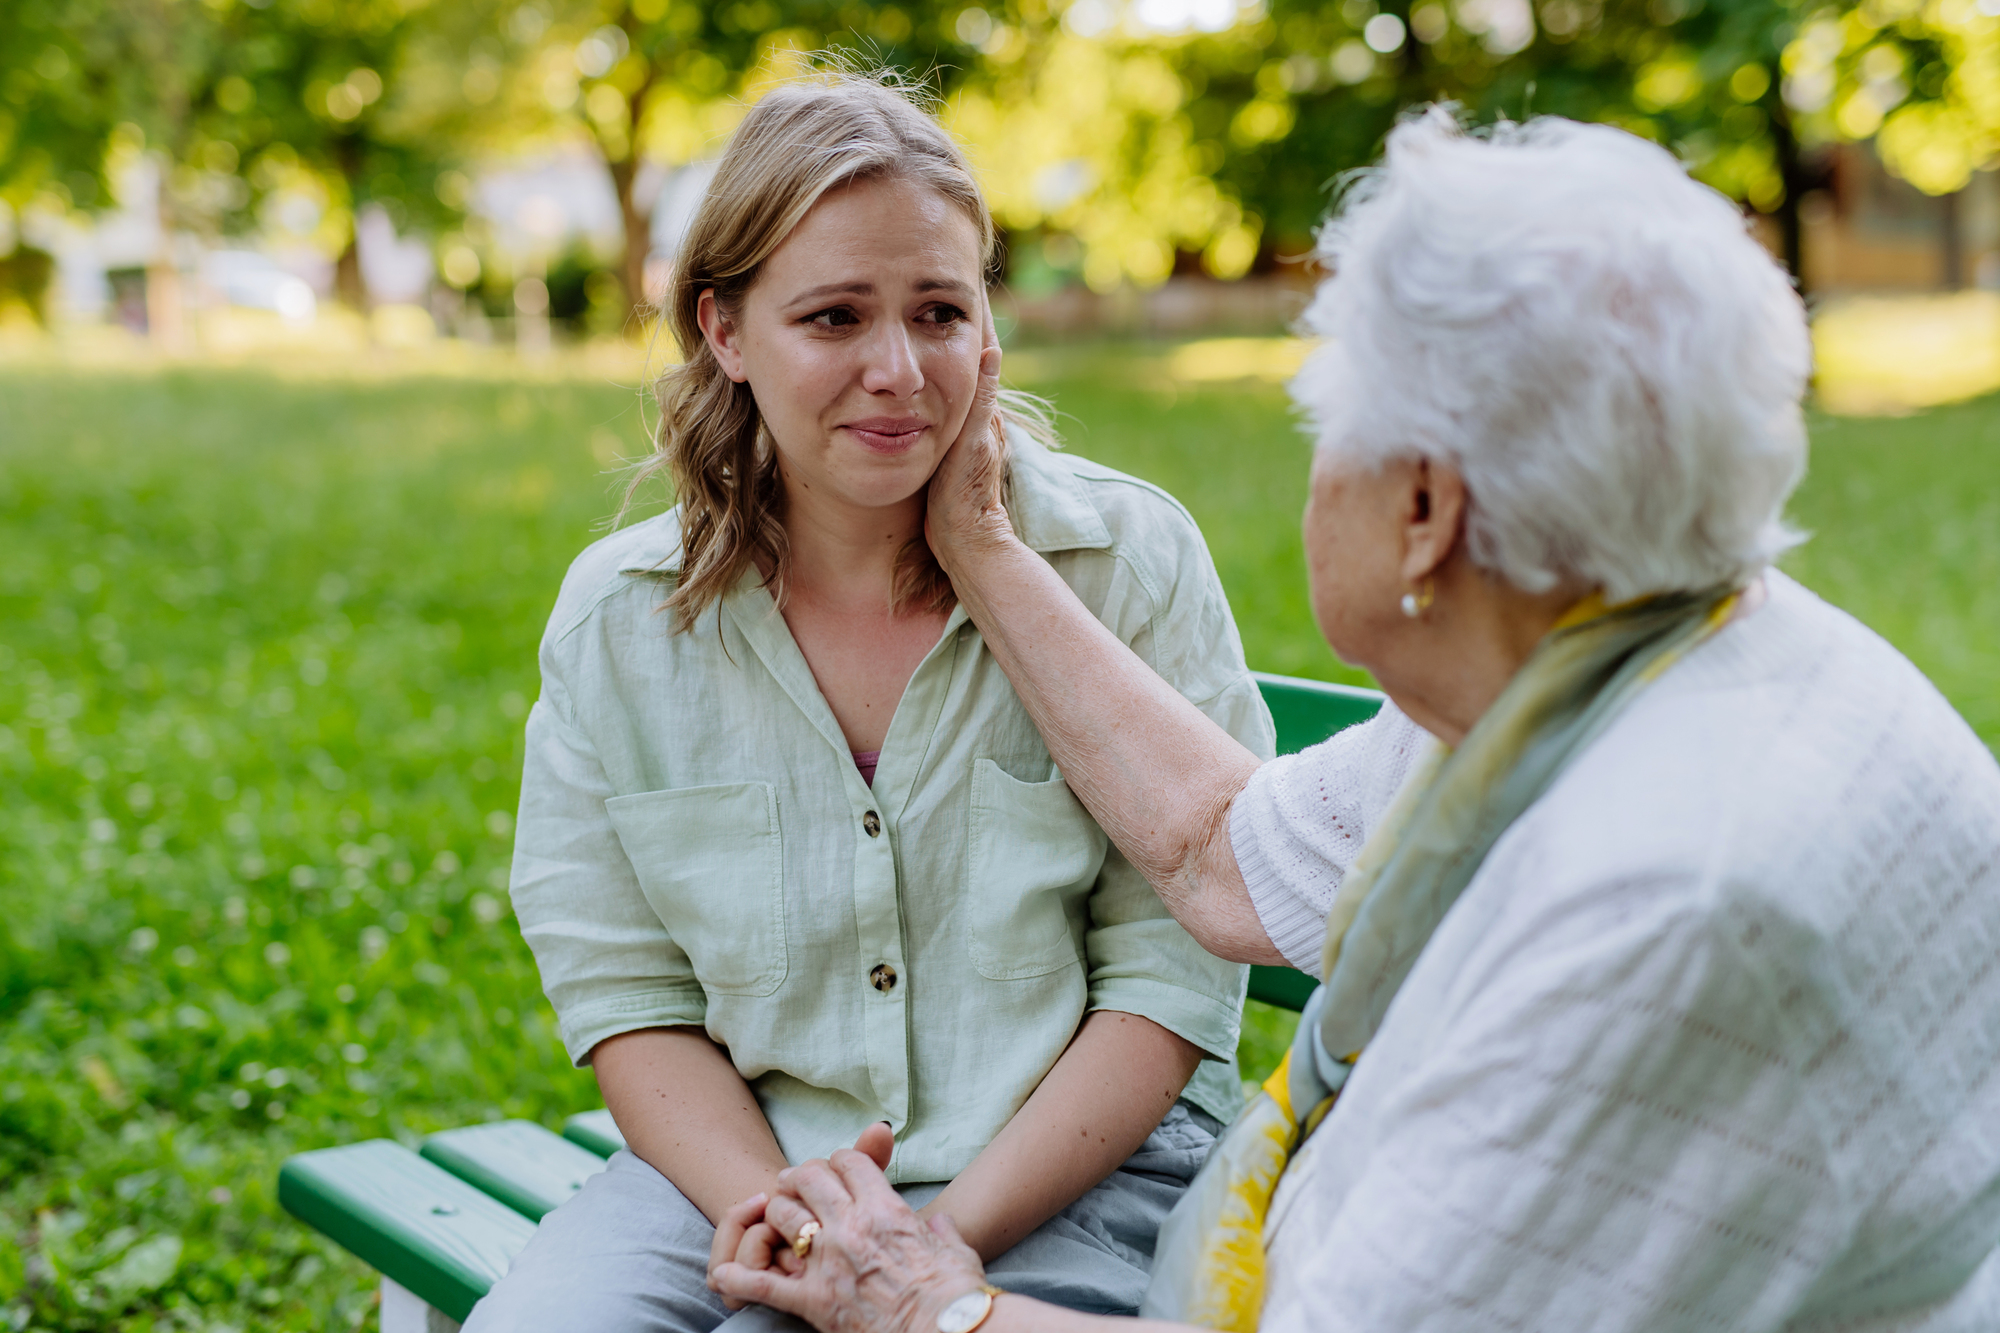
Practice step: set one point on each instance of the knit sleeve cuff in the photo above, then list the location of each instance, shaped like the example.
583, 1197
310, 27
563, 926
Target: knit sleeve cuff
1294, 927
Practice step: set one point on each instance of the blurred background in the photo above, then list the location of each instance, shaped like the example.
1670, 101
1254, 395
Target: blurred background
331, 176
323, 337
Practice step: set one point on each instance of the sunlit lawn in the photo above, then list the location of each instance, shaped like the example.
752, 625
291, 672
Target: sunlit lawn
265, 647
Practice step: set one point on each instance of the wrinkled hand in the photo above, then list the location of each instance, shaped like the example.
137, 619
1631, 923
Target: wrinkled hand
759, 1231
875, 1266
964, 509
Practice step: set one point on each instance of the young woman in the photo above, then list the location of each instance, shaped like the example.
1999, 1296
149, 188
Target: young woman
792, 857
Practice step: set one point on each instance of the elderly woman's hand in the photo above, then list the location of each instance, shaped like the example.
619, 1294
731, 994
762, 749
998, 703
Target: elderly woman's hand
761, 1231
964, 504
874, 1266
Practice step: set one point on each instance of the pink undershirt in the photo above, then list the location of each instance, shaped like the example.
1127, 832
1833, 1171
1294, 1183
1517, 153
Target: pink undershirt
865, 760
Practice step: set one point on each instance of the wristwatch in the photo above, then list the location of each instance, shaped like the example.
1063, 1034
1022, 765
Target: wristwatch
968, 1311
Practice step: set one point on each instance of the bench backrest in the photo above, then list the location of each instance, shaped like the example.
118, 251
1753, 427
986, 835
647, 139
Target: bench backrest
1306, 712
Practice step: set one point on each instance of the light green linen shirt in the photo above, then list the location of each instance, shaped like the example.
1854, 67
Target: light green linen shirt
695, 845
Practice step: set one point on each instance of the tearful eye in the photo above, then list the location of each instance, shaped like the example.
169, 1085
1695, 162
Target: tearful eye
837, 317
943, 314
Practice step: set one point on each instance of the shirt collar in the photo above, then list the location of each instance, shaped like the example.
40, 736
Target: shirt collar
1050, 508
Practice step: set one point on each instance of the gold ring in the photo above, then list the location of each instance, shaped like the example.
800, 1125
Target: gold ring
802, 1243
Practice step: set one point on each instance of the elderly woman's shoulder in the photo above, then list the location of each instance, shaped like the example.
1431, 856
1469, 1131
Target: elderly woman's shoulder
1818, 679
1789, 767
1785, 853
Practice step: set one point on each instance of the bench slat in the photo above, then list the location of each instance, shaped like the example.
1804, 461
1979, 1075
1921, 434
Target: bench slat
516, 1161
412, 1221
1281, 986
595, 1130
1306, 712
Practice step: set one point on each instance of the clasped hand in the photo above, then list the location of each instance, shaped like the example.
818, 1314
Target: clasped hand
874, 1264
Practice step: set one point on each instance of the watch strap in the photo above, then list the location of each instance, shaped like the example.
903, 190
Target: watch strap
954, 1318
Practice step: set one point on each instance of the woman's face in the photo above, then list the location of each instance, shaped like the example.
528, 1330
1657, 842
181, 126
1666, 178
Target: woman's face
1354, 538
860, 340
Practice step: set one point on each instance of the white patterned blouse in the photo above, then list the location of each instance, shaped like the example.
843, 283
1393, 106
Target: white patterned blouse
1712, 1039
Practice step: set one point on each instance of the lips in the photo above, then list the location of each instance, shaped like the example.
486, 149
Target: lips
888, 435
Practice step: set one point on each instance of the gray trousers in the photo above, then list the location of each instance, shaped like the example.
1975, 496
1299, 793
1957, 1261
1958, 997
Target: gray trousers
629, 1253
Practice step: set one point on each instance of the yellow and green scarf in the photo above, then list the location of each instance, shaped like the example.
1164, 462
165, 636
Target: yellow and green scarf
1208, 1268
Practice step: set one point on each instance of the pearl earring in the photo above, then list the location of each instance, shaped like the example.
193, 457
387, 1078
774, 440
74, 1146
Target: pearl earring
1415, 604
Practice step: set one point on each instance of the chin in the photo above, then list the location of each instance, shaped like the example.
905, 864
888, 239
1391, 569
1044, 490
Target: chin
876, 480
1351, 642
882, 492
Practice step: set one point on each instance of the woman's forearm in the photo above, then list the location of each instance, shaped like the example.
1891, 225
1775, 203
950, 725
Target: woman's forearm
1119, 1076
1155, 771
686, 1112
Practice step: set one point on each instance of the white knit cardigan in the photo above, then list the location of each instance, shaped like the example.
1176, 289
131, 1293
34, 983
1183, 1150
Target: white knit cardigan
1712, 1039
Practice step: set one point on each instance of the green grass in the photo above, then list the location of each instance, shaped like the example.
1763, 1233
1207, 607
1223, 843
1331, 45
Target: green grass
1905, 517
265, 654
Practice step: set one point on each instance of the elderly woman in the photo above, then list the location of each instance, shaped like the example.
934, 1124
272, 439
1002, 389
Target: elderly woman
1658, 915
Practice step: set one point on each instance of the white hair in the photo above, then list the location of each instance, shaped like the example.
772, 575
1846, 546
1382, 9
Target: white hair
1591, 338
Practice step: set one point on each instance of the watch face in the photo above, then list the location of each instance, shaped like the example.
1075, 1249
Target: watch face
965, 1313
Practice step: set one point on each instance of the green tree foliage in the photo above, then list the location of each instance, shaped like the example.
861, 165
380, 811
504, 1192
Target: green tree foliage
321, 89
83, 77
649, 79
1744, 90
108, 76
1317, 96
1130, 151
237, 100
1087, 138
1920, 76
55, 115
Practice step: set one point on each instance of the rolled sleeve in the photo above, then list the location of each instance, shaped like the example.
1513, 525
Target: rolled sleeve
1142, 962
607, 963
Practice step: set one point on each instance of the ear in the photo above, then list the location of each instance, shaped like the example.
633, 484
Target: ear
722, 339
1433, 518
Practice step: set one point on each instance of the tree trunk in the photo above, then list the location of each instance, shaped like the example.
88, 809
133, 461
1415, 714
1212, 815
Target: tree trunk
166, 311
636, 218
638, 223
1792, 174
348, 286
1951, 241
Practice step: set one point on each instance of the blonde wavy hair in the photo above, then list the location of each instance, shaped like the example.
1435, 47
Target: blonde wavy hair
818, 133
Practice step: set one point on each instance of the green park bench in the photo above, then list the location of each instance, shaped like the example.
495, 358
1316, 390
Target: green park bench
442, 1223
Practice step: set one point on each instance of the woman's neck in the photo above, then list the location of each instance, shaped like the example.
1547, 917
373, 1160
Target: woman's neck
839, 606
847, 552
1448, 667
1453, 664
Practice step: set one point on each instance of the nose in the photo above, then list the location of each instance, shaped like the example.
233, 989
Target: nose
890, 363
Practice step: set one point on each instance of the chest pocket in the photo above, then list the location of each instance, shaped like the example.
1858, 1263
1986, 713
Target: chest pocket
1033, 856
710, 862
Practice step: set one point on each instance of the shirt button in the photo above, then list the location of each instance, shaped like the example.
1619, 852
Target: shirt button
871, 824
883, 978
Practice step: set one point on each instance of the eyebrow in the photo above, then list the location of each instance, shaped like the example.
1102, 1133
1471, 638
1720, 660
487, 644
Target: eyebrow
868, 289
